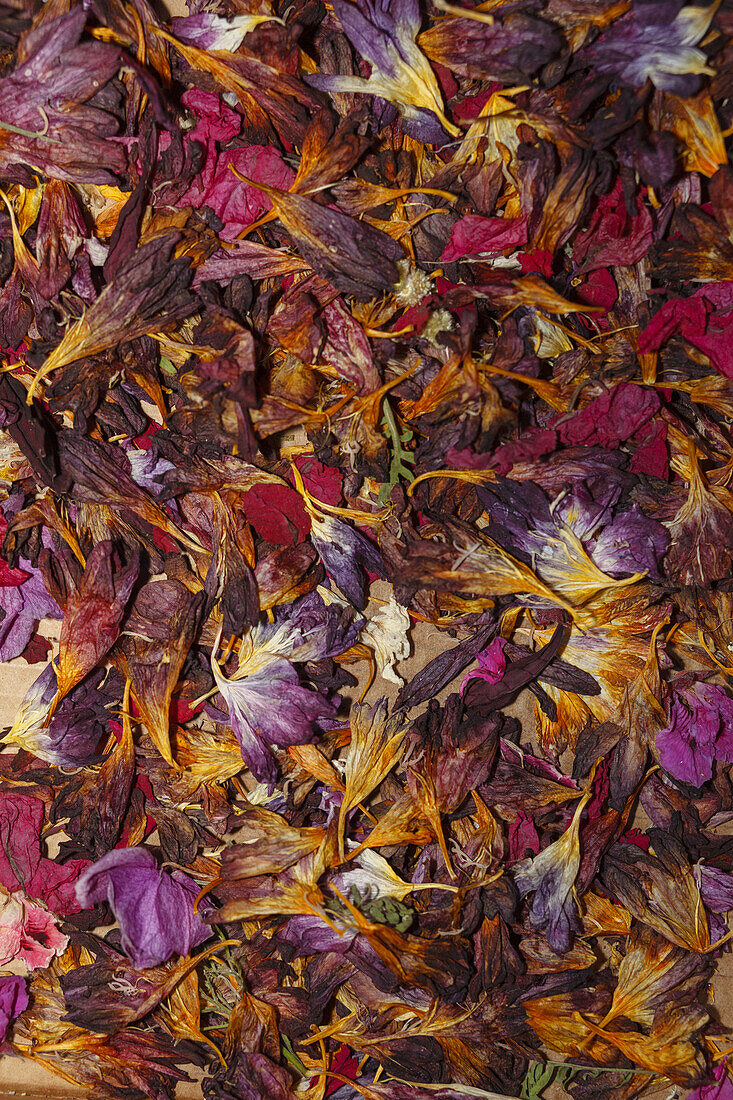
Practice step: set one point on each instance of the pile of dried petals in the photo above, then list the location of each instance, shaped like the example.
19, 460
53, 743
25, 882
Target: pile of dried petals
331, 333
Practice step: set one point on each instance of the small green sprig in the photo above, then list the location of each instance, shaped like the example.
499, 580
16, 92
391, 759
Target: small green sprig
212, 1001
291, 1057
402, 459
541, 1075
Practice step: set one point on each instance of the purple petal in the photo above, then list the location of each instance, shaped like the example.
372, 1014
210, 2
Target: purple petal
685, 746
154, 909
325, 630
346, 553
631, 543
311, 936
369, 31
716, 888
23, 607
13, 1001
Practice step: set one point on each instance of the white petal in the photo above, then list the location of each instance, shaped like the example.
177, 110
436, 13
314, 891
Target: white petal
387, 632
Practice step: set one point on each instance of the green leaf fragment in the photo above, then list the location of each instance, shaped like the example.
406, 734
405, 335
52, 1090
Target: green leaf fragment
541, 1075
402, 459
291, 1057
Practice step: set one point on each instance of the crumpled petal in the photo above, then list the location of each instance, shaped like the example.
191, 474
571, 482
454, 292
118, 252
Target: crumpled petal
29, 934
13, 1000
154, 908
700, 730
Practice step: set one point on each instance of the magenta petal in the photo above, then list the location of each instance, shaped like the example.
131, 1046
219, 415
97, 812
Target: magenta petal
721, 706
491, 664
523, 837
721, 1089
21, 820
40, 937
13, 1001
238, 204
474, 234
55, 883
680, 754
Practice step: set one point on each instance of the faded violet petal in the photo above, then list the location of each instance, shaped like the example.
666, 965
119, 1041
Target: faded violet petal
631, 543
154, 908
384, 32
346, 554
210, 32
147, 468
24, 605
656, 40
376, 25
716, 888
551, 875
510, 49
271, 708
309, 935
